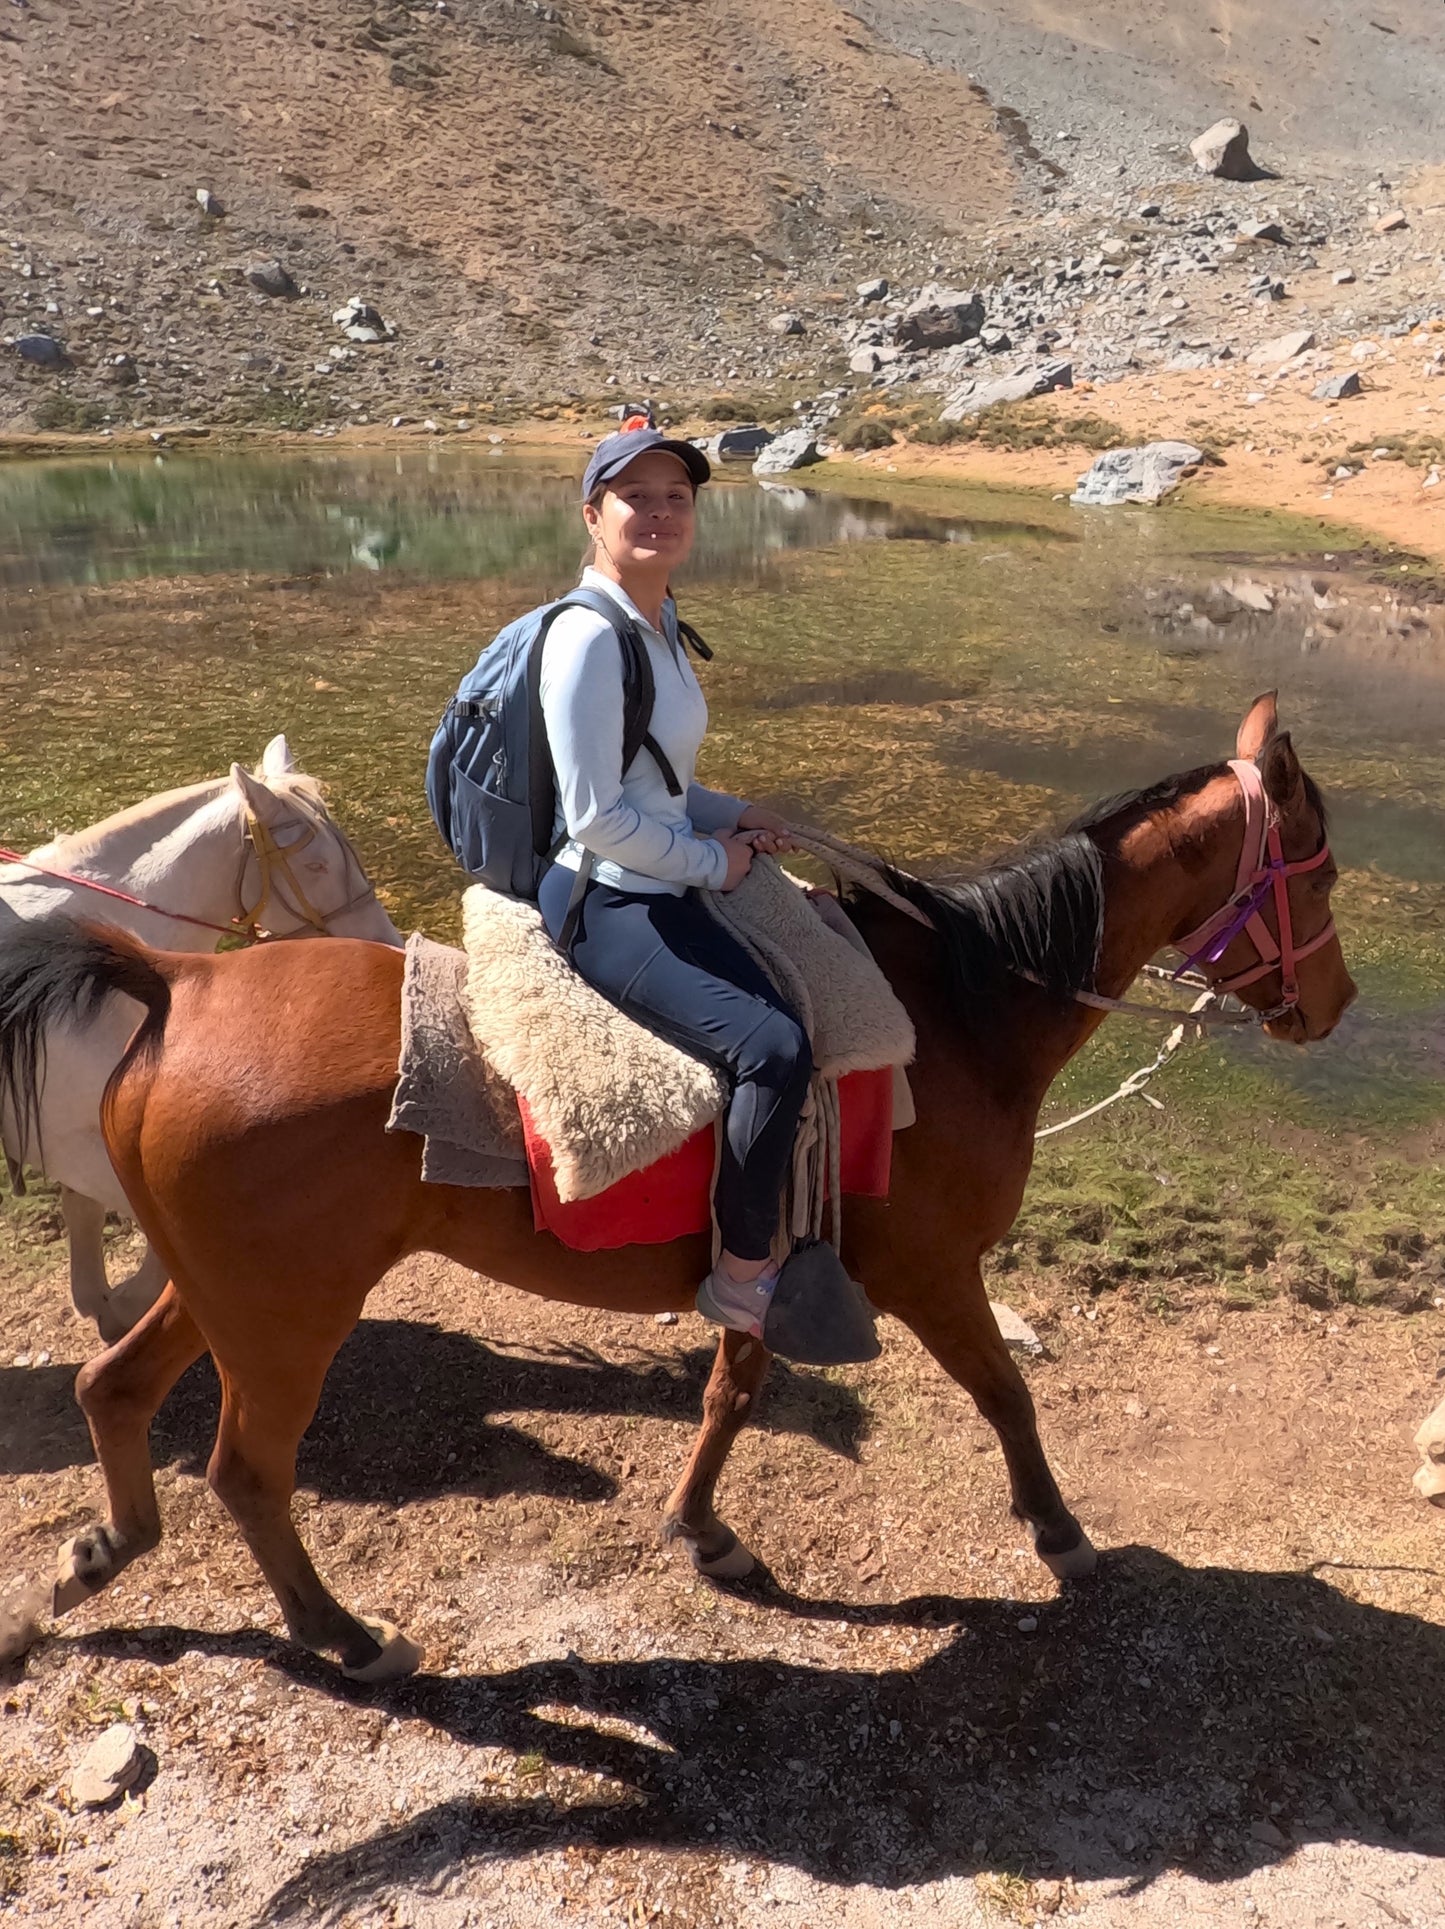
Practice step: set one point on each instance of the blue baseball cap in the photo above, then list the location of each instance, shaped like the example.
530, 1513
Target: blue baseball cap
615, 451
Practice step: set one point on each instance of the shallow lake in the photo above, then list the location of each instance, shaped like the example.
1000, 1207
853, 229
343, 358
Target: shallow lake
931, 669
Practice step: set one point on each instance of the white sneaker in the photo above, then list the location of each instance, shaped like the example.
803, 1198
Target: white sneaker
740, 1305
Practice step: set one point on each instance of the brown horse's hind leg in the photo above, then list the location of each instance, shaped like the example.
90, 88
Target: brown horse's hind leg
728, 1404
265, 1408
960, 1332
120, 1393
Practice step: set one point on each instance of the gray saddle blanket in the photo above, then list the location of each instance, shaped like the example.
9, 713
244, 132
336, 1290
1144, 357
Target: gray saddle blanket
465, 1116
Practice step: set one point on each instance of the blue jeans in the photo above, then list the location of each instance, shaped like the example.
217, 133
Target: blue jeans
667, 963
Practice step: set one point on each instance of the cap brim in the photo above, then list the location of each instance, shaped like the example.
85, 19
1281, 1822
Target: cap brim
692, 459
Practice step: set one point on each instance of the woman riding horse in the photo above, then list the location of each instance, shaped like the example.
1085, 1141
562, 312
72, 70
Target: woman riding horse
636, 847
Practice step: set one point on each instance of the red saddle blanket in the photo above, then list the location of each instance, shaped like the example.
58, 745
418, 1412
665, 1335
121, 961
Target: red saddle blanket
672, 1198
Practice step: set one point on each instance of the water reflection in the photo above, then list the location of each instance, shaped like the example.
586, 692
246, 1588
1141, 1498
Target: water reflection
436, 512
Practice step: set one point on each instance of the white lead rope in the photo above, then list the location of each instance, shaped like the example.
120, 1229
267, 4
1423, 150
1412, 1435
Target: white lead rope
1136, 1081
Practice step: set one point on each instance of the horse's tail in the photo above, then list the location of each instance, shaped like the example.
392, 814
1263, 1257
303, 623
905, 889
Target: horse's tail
55, 971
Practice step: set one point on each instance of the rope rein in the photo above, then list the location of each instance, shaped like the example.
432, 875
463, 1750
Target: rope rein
273, 862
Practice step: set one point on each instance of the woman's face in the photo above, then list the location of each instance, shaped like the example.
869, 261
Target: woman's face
645, 516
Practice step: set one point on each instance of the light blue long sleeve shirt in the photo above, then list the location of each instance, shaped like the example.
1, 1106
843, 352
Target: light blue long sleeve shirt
639, 837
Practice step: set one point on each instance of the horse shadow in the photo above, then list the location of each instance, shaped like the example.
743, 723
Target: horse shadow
1161, 1716
406, 1414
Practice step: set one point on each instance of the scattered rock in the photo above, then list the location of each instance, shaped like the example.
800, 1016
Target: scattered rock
995, 340
1150, 211
665, 1319
939, 318
1281, 348
108, 1767
362, 323
1261, 231
1137, 475
974, 397
42, 351
787, 325
210, 204
1343, 277
1266, 1832
271, 278
1392, 222
1115, 249
1017, 1335
1339, 388
1251, 596
1223, 150
867, 361
872, 290
793, 449
123, 371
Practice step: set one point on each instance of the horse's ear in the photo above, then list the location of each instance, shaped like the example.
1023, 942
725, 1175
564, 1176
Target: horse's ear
1283, 778
1260, 724
258, 798
276, 759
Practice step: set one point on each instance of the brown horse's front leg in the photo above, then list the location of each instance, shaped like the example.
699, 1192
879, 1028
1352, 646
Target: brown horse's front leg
958, 1329
737, 1374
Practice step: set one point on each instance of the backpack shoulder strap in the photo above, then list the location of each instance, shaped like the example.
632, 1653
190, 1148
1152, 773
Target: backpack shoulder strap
639, 693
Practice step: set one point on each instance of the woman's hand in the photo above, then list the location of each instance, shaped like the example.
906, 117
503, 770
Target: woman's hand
771, 834
739, 848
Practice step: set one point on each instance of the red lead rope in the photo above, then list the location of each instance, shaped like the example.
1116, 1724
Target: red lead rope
123, 897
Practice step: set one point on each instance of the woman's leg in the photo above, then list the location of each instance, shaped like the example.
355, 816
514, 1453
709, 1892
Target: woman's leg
667, 963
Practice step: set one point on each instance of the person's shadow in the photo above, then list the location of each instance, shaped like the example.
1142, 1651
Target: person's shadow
1159, 1715
406, 1414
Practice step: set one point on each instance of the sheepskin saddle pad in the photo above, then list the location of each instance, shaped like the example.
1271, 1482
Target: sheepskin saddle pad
606, 1096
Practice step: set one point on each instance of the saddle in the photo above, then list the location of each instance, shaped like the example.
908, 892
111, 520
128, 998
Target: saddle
617, 1123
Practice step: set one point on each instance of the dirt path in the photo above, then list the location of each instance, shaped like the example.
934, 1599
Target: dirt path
1240, 1720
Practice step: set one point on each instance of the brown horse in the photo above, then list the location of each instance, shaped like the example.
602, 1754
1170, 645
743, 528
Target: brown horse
246, 1120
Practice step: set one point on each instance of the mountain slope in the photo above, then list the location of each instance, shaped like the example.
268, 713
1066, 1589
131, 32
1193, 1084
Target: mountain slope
505, 180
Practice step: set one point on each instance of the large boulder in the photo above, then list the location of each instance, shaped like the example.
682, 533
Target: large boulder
793, 449
939, 318
1280, 349
741, 444
41, 351
974, 397
1223, 150
1339, 388
272, 278
1137, 475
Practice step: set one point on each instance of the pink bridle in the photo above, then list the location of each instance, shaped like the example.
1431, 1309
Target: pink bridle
1262, 871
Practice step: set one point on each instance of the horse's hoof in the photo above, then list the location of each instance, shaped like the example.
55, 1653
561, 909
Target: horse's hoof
21, 1624
399, 1656
1075, 1565
733, 1563
71, 1586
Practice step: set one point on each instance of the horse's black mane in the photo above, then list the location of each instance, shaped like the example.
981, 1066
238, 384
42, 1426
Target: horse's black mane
1039, 913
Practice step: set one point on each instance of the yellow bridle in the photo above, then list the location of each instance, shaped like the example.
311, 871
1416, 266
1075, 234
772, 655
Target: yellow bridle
273, 862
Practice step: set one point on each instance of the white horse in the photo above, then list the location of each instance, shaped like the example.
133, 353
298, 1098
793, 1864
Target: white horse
246, 853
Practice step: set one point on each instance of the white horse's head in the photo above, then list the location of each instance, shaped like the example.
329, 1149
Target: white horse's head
301, 876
